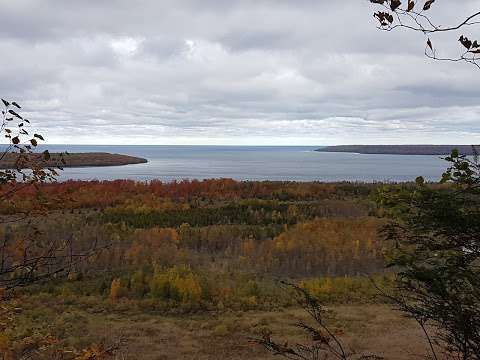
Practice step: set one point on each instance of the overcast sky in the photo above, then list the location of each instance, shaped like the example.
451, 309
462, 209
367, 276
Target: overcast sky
253, 72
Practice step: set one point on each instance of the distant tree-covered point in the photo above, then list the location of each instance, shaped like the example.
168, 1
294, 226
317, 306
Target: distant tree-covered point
400, 149
13, 160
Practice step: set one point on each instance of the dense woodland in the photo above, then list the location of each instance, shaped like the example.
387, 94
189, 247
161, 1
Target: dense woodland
203, 245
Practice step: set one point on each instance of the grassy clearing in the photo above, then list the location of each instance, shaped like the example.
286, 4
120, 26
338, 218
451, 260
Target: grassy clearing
216, 335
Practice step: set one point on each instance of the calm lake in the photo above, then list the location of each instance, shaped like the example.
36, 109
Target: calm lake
295, 163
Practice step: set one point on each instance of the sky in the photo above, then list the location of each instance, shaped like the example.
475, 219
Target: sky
237, 72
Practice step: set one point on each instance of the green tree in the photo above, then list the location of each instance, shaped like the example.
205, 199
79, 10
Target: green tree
435, 233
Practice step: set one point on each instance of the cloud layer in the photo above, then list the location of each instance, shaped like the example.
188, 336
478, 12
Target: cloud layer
258, 72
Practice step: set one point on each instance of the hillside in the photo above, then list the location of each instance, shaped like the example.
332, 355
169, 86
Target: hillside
194, 265
76, 160
399, 149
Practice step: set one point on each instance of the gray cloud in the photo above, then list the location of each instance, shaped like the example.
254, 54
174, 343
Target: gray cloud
231, 72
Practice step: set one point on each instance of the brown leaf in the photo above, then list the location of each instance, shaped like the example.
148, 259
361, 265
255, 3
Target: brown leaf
428, 4
465, 42
411, 5
395, 4
429, 43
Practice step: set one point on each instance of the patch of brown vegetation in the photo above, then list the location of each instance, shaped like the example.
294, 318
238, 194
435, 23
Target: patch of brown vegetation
373, 329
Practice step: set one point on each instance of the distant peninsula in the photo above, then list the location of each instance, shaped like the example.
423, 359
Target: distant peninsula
399, 149
89, 159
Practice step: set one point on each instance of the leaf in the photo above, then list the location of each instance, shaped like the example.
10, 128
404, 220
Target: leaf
16, 105
465, 42
16, 140
38, 136
429, 43
411, 5
381, 16
377, 1
14, 114
46, 155
428, 4
33, 142
395, 4
5, 102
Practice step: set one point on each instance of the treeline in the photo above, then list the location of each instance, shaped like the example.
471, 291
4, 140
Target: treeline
247, 212
321, 247
219, 266
101, 194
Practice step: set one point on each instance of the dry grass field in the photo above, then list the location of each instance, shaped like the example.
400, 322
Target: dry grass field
368, 329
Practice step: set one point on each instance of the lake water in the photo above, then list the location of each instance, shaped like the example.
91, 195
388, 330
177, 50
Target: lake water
297, 163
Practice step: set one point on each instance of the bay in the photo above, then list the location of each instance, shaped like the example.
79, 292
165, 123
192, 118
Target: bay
277, 163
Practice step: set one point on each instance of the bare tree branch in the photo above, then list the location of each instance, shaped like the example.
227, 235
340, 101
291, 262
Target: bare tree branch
406, 14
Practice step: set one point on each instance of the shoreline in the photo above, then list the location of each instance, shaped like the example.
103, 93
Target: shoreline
429, 150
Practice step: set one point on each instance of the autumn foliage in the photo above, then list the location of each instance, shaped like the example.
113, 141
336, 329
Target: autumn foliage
194, 246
